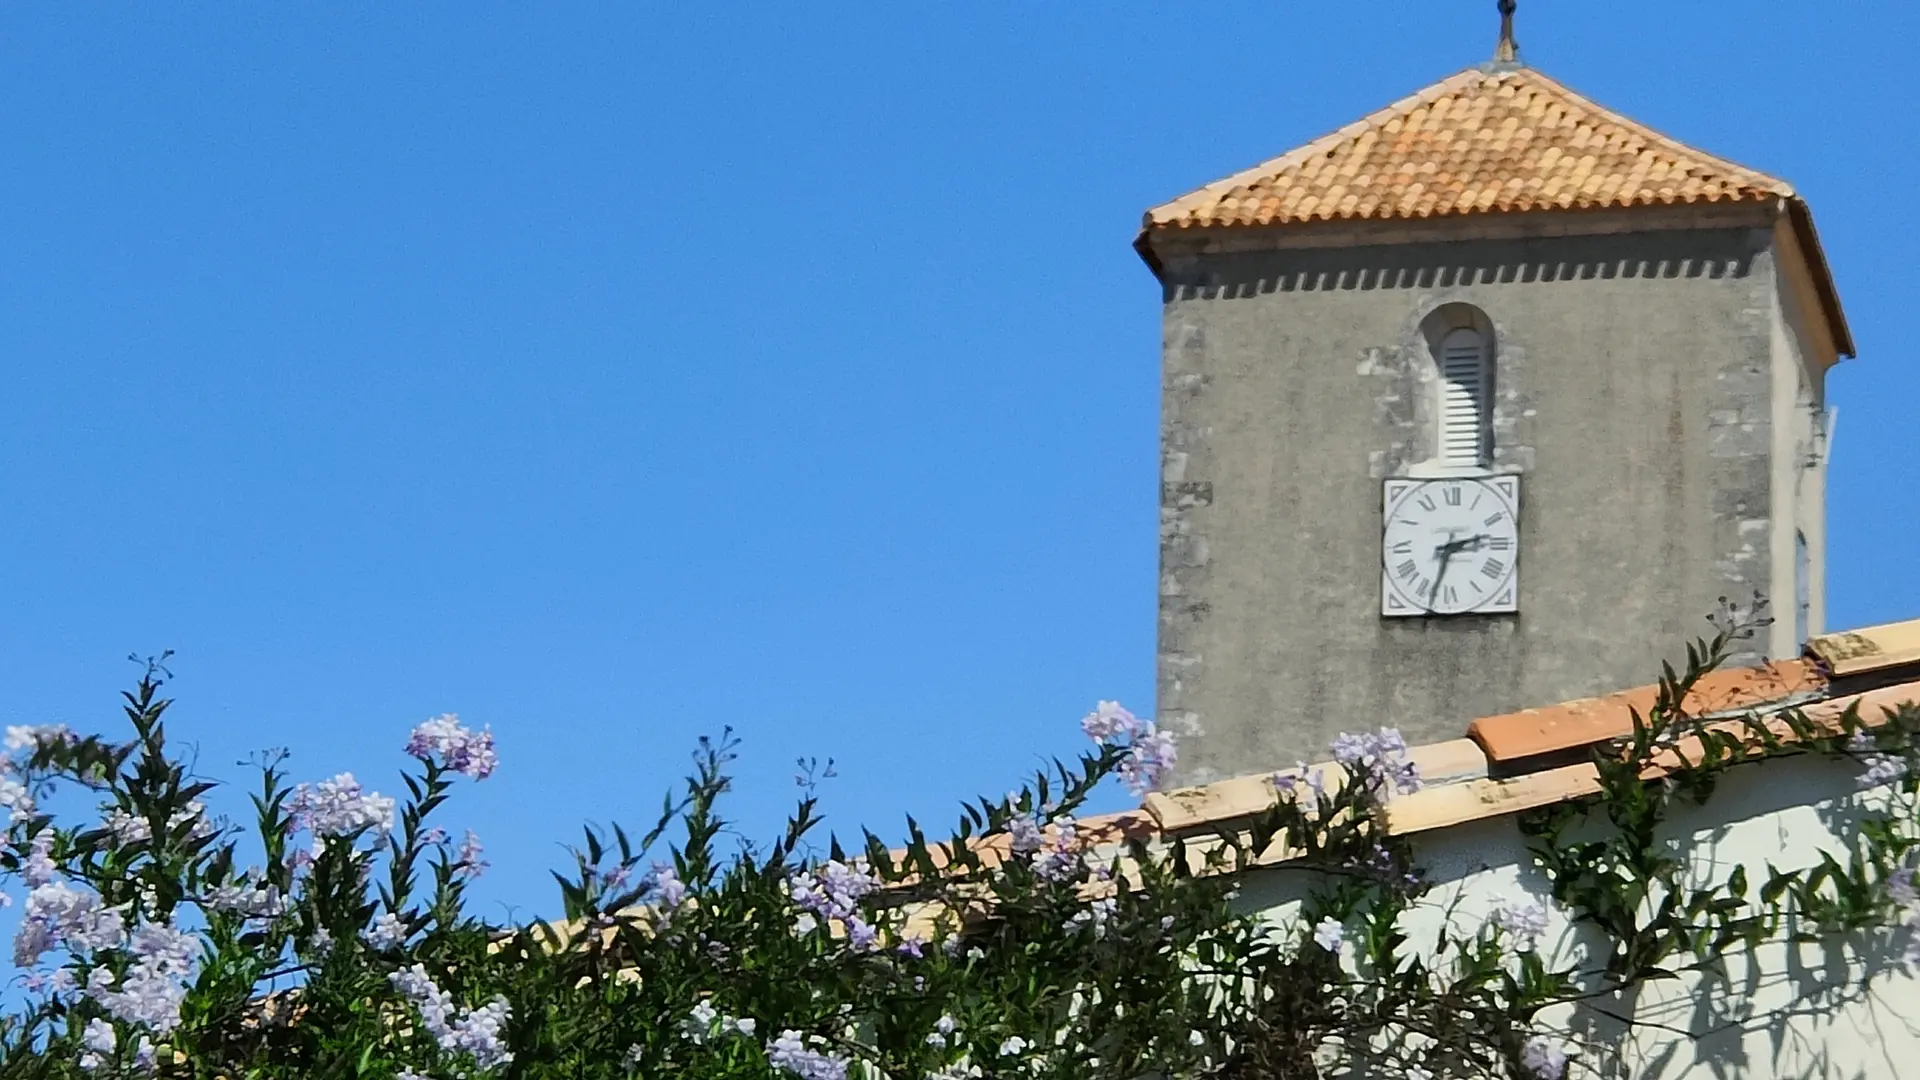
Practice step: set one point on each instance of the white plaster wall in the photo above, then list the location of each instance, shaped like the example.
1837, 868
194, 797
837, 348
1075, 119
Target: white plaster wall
1805, 1011
1799, 469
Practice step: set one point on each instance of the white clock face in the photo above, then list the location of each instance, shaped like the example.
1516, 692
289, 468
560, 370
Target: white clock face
1450, 546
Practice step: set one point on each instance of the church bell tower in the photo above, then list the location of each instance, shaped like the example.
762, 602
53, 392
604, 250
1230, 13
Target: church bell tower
1482, 401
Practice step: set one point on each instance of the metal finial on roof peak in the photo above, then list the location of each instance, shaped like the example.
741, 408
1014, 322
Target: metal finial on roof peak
1508, 50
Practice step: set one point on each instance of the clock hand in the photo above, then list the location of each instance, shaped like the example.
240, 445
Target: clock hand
1446, 552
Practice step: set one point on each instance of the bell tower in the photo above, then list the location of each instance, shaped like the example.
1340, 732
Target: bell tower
1482, 401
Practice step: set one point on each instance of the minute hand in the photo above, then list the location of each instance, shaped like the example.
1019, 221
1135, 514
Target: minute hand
1447, 551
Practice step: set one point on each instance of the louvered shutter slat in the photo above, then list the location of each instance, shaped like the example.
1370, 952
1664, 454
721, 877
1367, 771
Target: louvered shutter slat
1463, 373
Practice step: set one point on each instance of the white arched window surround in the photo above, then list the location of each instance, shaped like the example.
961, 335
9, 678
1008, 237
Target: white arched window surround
1459, 408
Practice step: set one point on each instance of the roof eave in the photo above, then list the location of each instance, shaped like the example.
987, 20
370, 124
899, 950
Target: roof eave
1801, 217
1143, 246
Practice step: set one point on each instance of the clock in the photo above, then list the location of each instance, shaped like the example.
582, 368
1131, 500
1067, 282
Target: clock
1450, 546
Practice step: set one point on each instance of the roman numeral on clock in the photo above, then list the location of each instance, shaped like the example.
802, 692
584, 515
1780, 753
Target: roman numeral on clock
1493, 568
1407, 570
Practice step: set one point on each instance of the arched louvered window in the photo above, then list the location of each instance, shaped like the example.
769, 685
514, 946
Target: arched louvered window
1466, 382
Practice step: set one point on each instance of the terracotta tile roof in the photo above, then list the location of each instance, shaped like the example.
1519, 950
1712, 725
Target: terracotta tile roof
1505, 139
1533, 741
1852, 652
1461, 784
1581, 723
1102, 830
1244, 796
1478, 141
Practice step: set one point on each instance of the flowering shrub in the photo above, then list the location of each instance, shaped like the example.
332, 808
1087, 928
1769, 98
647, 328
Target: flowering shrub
1025, 943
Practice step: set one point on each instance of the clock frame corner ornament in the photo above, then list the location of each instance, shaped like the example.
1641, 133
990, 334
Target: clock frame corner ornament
1450, 546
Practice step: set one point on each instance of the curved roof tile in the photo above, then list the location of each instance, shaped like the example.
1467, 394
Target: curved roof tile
1508, 139
1486, 140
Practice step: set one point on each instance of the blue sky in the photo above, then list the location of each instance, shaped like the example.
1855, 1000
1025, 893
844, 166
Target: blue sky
613, 374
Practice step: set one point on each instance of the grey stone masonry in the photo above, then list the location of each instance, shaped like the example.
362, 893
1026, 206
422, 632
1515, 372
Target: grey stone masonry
1635, 391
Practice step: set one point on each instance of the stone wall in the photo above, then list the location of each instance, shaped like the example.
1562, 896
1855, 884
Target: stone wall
1634, 396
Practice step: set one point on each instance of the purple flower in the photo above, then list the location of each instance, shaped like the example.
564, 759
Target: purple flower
1378, 761
1881, 769
911, 945
478, 1033
1523, 920
1900, 887
1060, 860
468, 863
699, 1022
789, 1053
56, 914
14, 796
155, 983
461, 749
475, 1032
1096, 914
1543, 1059
338, 807
39, 868
1349, 749
1024, 831
386, 932
1151, 757
1329, 934
125, 828
99, 1036
243, 898
1306, 788
1108, 722
832, 890
861, 934
663, 887
1150, 751
36, 737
